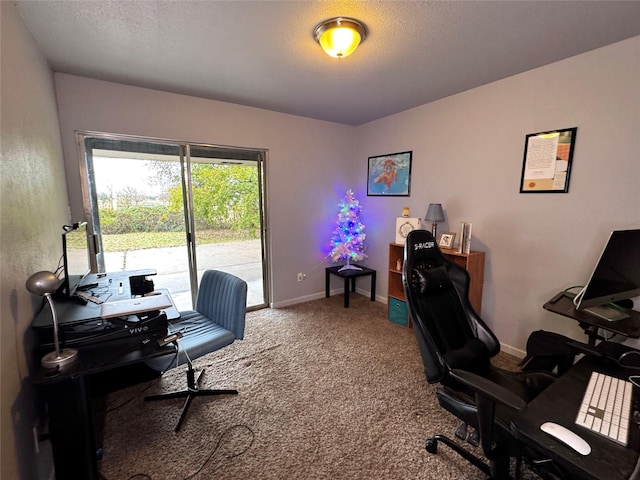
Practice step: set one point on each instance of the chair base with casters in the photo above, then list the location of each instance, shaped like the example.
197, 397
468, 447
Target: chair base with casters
431, 445
217, 321
193, 390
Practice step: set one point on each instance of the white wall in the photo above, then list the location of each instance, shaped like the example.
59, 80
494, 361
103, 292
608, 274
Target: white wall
33, 210
467, 154
309, 164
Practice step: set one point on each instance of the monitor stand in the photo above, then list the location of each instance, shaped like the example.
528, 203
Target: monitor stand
611, 314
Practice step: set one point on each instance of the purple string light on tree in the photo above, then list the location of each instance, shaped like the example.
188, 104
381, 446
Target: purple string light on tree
347, 242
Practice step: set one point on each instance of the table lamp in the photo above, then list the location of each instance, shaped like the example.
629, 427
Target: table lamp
44, 284
434, 214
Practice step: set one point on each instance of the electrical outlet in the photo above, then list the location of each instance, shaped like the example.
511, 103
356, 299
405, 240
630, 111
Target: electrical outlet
301, 276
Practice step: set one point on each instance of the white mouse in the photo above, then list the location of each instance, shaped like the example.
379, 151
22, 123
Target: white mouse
567, 437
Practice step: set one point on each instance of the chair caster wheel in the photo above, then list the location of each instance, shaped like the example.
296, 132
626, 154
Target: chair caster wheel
431, 445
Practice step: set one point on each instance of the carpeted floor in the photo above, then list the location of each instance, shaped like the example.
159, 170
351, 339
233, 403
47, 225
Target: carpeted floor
325, 392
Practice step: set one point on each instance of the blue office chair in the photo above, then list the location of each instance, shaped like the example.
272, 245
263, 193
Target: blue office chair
217, 321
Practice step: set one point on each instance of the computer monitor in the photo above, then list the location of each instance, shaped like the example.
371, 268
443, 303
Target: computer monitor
75, 257
616, 276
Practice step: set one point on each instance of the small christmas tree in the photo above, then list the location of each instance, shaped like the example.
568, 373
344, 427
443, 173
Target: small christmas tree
348, 237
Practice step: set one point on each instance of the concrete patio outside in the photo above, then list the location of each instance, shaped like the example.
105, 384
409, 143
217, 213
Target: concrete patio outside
242, 258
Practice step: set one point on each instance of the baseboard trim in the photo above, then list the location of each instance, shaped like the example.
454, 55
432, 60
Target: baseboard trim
295, 301
516, 352
316, 296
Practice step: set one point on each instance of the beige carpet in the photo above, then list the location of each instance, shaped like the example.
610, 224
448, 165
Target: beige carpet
325, 392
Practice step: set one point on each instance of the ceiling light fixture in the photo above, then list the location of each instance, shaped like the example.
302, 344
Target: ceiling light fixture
340, 36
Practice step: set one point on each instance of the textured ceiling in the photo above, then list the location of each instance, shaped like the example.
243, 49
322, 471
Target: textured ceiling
262, 53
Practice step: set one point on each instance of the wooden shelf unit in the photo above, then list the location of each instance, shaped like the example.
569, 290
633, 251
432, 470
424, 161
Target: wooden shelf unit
473, 262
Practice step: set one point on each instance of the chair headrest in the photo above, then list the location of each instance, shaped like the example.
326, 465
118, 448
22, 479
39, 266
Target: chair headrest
421, 250
430, 279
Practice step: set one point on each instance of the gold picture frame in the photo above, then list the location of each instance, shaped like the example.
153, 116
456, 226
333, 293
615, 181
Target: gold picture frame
445, 240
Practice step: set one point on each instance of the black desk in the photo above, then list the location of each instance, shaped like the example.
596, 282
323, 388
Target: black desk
350, 276
563, 305
110, 287
70, 393
559, 403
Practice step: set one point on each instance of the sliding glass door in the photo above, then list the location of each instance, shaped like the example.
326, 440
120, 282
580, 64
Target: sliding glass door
178, 208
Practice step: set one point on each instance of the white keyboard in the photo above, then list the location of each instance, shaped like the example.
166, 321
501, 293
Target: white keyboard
606, 407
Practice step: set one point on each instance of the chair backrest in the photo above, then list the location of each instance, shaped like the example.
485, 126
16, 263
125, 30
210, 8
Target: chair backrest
449, 332
222, 297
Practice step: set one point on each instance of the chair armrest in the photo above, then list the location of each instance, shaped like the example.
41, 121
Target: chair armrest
487, 388
579, 347
487, 394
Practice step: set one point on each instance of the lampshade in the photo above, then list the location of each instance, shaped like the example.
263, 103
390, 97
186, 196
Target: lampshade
44, 284
340, 36
434, 213
41, 283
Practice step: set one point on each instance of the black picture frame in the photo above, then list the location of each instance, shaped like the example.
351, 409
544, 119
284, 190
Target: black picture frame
548, 156
389, 175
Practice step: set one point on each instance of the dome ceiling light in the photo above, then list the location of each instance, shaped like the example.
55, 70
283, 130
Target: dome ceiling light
340, 36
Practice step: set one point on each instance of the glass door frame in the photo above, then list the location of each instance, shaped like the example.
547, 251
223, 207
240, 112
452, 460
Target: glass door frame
90, 202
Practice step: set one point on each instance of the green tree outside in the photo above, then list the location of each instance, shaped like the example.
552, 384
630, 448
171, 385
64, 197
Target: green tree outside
224, 196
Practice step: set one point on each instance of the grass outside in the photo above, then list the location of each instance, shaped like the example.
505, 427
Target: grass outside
139, 241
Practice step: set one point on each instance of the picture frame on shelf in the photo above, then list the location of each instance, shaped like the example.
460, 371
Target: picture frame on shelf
445, 240
389, 175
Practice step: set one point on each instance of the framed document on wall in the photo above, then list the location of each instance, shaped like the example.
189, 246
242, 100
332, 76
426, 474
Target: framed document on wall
547, 161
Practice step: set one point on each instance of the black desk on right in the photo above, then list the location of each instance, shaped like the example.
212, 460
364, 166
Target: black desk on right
559, 403
563, 305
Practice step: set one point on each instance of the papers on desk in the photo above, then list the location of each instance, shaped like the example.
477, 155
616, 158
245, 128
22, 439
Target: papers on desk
133, 306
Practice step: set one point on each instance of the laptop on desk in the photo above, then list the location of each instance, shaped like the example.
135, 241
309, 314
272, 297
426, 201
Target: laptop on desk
133, 306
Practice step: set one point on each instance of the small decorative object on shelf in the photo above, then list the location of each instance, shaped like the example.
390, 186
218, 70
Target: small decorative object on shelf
465, 237
405, 212
446, 239
347, 242
403, 226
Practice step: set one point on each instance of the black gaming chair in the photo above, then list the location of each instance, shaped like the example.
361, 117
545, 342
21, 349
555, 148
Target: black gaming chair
456, 348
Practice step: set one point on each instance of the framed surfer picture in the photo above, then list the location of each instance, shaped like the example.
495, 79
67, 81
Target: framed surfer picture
389, 175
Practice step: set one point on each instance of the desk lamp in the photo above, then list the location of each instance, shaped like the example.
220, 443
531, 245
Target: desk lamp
434, 215
44, 284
